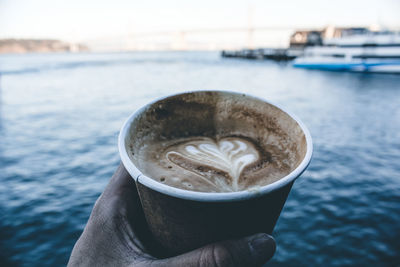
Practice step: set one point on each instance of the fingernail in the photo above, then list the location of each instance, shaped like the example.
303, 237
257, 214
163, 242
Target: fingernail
262, 247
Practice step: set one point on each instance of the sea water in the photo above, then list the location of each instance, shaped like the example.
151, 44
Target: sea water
60, 115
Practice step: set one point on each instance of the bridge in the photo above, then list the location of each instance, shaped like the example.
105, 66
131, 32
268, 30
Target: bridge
196, 39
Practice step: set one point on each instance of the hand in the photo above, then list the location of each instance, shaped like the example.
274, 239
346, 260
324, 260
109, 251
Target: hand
116, 228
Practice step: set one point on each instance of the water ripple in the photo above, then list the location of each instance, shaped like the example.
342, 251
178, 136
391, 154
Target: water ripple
59, 121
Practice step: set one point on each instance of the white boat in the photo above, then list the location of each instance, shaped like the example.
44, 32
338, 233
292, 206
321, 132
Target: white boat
366, 51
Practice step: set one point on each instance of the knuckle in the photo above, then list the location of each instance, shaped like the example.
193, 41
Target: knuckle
97, 211
102, 211
221, 256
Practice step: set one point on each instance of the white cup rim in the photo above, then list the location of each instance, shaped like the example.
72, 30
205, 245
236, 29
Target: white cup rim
139, 177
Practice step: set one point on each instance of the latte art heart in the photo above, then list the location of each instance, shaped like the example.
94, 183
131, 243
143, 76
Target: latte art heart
206, 157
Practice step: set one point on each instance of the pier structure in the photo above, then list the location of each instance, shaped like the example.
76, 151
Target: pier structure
277, 54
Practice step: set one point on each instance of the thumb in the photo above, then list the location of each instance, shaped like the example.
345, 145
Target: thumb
253, 250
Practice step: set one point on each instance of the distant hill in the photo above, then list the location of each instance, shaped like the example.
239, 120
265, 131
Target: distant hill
40, 46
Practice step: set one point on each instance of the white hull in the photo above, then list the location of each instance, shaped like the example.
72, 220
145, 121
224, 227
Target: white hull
367, 65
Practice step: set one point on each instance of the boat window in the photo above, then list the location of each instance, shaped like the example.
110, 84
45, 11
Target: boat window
369, 45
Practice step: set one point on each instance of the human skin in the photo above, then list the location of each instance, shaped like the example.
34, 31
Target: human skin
116, 229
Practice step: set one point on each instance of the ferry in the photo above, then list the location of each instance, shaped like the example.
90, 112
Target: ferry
356, 49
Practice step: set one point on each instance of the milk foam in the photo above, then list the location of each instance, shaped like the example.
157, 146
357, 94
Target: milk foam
229, 155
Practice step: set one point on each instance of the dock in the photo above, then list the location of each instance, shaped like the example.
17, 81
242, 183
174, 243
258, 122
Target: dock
277, 54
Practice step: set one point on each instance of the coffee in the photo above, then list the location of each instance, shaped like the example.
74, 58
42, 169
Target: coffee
215, 142
217, 165
206, 164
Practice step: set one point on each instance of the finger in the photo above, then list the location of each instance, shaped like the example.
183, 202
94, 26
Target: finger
120, 197
119, 207
121, 183
254, 250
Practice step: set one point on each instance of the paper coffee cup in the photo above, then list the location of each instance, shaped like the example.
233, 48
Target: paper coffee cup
182, 220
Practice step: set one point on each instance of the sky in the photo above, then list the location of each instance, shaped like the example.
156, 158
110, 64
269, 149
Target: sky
82, 20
